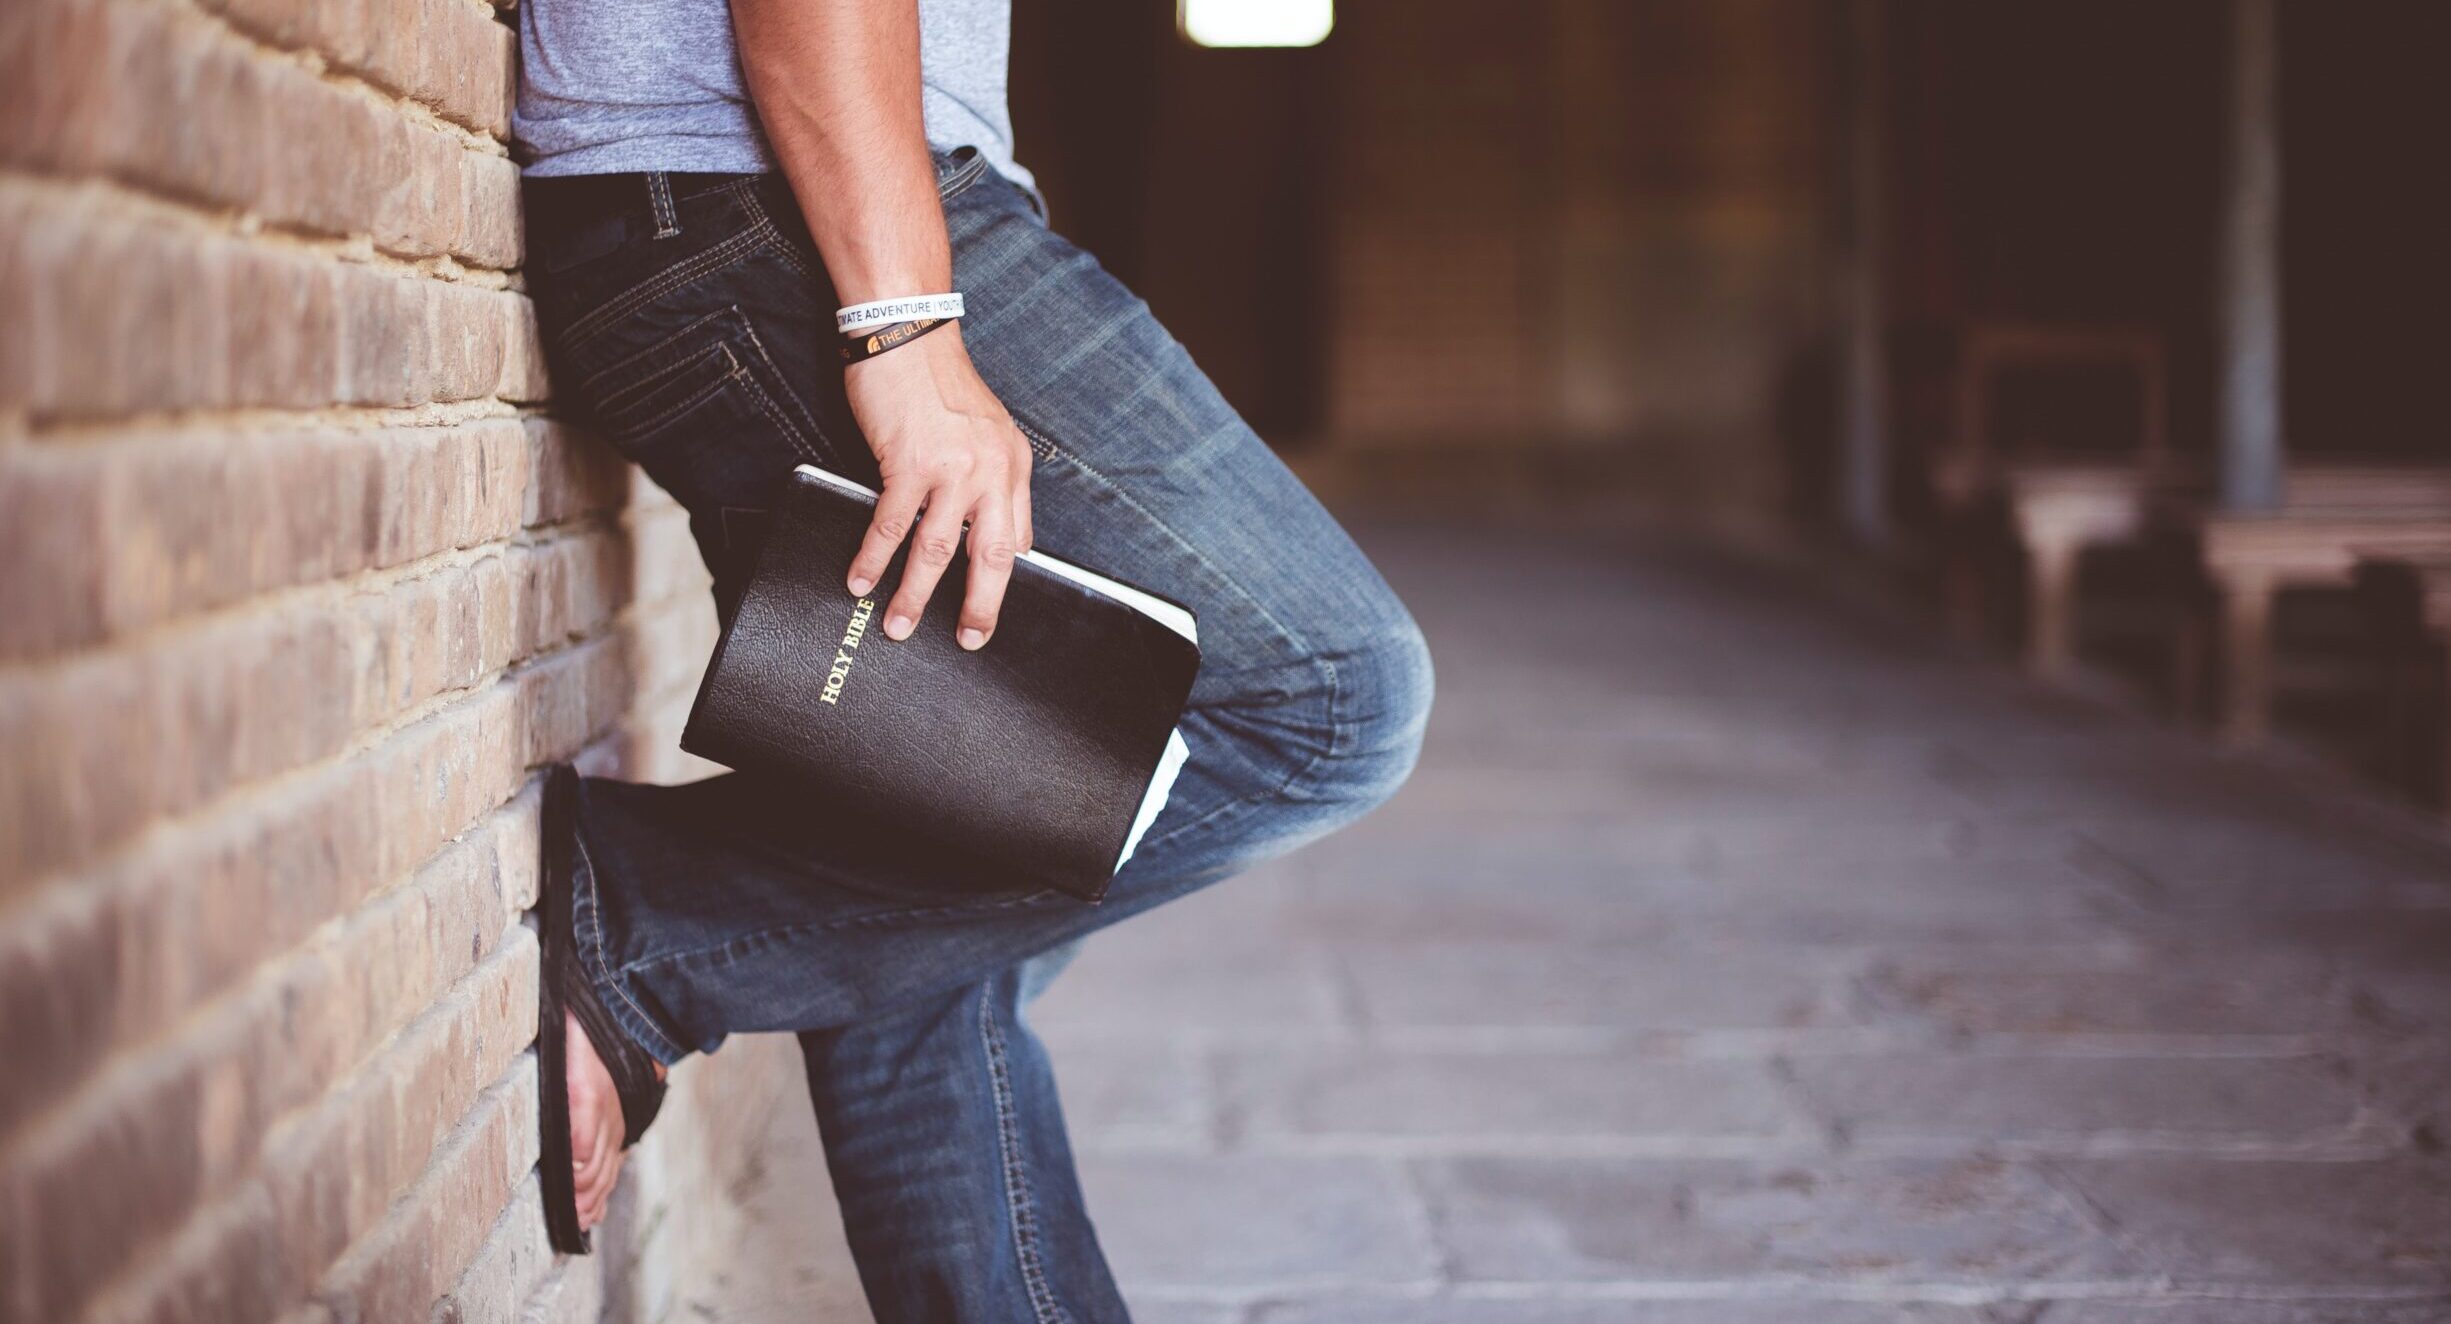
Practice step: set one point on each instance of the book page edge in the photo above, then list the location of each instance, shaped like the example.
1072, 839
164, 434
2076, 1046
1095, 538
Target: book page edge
1155, 608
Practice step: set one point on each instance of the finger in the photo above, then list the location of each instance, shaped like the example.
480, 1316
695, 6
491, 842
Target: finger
1024, 536
991, 568
597, 1192
896, 509
932, 546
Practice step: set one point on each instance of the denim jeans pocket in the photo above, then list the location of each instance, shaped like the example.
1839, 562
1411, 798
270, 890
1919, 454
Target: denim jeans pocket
709, 384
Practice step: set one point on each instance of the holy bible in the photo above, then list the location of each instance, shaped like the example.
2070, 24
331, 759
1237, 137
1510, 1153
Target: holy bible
1035, 762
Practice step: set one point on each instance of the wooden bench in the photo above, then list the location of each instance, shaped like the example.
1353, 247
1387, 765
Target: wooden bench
2416, 588
2058, 502
2059, 510
2335, 517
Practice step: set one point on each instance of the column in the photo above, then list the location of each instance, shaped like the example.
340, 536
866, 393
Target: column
1863, 386
2249, 334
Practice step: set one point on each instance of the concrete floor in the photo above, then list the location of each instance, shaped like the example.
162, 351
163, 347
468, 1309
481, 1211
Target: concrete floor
1734, 957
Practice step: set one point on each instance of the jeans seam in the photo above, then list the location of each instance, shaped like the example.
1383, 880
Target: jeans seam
659, 200
636, 382
773, 234
1017, 1199
605, 975
1336, 736
1033, 432
635, 430
664, 282
740, 943
967, 174
809, 447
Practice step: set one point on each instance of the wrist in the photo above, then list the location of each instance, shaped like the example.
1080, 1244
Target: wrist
939, 346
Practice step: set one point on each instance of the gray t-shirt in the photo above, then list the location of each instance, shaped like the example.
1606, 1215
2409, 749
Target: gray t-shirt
619, 85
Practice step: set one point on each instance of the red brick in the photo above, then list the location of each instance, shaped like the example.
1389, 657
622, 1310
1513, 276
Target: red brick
96, 748
509, 1270
448, 54
119, 313
429, 1239
166, 100
323, 503
116, 957
296, 1192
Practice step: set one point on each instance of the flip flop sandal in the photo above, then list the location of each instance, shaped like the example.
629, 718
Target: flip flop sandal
564, 986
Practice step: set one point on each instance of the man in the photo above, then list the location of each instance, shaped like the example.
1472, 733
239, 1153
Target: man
707, 187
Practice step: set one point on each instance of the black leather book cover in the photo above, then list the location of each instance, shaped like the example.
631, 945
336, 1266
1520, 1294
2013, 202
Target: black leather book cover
1027, 763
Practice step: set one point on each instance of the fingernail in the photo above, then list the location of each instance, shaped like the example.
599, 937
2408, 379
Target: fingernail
860, 584
973, 638
897, 627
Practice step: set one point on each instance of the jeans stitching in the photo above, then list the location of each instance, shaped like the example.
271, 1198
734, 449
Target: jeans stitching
1335, 728
604, 966
637, 383
1017, 1198
1336, 733
773, 234
637, 431
671, 278
659, 201
808, 446
741, 944
774, 414
1033, 431
968, 174
613, 406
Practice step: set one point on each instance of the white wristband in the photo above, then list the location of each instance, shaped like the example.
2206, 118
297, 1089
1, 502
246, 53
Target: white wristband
877, 312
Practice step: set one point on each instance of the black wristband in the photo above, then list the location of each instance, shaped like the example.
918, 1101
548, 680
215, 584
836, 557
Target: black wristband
868, 344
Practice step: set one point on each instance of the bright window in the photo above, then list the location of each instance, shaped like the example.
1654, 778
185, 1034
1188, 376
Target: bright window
1256, 22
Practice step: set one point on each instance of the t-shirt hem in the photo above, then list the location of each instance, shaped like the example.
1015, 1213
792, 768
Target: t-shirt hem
676, 154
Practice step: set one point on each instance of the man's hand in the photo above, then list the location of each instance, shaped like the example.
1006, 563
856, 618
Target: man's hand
836, 84
950, 455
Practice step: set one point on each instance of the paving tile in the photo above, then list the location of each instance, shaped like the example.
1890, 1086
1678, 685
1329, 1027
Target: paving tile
1146, 1310
1156, 980
1252, 1222
2157, 995
1551, 892
2221, 1310
1783, 1310
2231, 863
1133, 1095
1861, 1221
2408, 1084
1632, 988
1915, 1099
1878, 824
1498, 1101
2307, 1223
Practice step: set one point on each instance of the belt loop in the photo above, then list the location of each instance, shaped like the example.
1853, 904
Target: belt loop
659, 197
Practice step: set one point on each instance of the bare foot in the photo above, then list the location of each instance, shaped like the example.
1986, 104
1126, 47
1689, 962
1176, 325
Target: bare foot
596, 1124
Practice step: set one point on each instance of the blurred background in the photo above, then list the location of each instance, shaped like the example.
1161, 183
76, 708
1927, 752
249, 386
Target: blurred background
1930, 516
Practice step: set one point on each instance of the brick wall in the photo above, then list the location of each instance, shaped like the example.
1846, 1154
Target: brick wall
299, 585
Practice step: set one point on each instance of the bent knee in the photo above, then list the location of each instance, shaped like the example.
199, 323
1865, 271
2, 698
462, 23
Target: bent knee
1383, 690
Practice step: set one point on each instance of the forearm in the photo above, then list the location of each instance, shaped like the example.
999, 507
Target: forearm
836, 83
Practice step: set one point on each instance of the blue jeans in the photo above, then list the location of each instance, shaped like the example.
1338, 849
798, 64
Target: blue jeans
689, 321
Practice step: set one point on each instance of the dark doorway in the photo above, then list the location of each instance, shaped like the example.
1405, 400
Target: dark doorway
1195, 175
